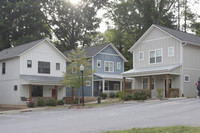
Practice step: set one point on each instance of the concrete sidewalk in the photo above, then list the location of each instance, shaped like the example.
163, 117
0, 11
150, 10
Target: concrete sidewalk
22, 110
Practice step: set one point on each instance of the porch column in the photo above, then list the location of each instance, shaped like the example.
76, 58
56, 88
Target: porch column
167, 85
30, 92
103, 86
124, 83
56, 92
149, 79
121, 87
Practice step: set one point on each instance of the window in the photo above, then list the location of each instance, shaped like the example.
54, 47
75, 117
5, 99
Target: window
29, 63
43, 67
3, 68
170, 51
186, 78
106, 85
145, 83
116, 87
141, 55
108, 66
118, 65
57, 66
88, 83
37, 91
155, 56
152, 83
15, 87
98, 63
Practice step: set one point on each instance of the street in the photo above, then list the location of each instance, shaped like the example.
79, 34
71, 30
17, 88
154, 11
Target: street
113, 117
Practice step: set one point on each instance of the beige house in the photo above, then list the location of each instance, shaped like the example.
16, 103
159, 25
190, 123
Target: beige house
168, 59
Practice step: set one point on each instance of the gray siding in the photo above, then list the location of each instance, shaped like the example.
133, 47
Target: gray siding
157, 40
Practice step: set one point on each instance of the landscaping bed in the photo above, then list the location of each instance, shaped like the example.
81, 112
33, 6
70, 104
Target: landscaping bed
10, 108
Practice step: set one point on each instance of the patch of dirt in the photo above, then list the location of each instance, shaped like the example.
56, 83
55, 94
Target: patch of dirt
9, 108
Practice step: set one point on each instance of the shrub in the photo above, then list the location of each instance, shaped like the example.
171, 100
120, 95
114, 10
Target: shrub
160, 92
40, 102
75, 101
128, 97
51, 102
31, 104
117, 94
112, 95
60, 102
121, 95
140, 95
104, 95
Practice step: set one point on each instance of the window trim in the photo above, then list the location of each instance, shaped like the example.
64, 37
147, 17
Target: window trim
147, 82
141, 52
188, 78
29, 64
88, 82
109, 66
97, 63
169, 53
161, 49
59, 66
49, 67
3, 68
119, 65
15, 87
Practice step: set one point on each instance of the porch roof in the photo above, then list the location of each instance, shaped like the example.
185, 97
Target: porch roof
110, 76
41, 80
157, 70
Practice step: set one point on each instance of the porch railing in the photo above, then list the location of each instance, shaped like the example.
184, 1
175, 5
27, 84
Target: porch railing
174, 92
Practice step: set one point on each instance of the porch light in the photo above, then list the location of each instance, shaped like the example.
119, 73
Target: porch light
82, 69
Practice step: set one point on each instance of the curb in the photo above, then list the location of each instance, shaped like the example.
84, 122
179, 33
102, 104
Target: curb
22, 110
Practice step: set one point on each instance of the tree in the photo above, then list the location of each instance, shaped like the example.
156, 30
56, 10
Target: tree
21, 21
72, 76
72, 24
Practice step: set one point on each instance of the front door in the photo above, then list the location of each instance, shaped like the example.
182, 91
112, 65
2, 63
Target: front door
53, 93
170, 86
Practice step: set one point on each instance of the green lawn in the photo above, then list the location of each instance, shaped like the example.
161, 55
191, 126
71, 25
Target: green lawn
174, 129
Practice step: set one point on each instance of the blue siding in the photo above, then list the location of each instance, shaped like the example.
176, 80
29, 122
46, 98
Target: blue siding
96, 88
109, 50
104, 57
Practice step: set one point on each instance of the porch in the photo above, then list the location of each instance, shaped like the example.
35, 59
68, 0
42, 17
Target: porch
165, 77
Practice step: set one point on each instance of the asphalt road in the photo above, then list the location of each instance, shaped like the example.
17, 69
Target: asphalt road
115, 117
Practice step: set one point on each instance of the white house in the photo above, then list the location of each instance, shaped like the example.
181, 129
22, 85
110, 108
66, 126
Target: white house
33, 70
168, 59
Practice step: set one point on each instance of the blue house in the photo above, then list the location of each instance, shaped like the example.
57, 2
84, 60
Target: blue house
108, 64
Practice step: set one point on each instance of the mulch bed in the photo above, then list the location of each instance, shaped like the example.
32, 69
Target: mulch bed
9, 108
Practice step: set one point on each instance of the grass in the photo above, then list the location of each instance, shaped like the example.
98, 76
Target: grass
174, 129
102, 104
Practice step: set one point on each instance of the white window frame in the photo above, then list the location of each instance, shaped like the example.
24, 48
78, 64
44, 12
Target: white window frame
118, 65
109, 62
155, 50
88, 83
143, 83
169, 52
98, 61
188, 78
141, 52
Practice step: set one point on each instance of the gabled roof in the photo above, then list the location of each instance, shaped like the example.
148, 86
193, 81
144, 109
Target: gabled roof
18, 50
94, 50
179, 35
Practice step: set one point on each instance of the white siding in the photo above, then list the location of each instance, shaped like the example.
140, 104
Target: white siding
151, 42
43, 52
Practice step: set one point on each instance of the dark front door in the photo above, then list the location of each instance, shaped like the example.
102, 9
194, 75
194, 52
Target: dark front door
54, 93
170, 86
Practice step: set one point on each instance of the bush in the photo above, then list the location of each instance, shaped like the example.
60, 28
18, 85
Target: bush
60, 102
31, 104
40, 102
75, 101
160, 92
140, 95
117, 94
104, 95
128, 97
51, 102
121, 95
112, 95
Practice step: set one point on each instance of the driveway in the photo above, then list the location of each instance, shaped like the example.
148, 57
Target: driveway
115, 117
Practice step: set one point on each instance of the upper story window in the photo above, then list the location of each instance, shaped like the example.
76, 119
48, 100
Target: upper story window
186, 78
57, 66
98, 63
155, 56
3, 68
109, 66
43, 67
29, 63
141, 55
118, 65
170, 51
